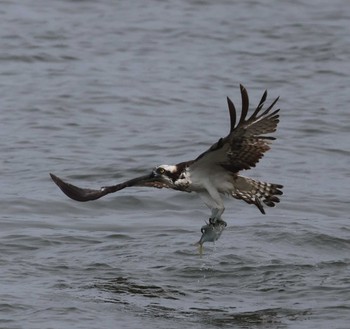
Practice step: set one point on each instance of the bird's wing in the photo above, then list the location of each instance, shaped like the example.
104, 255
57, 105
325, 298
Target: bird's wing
86, 194
247, 142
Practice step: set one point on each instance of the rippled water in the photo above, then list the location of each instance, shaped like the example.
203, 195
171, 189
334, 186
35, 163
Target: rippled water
101, 91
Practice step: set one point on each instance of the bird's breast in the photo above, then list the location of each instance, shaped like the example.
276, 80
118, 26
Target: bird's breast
219, 179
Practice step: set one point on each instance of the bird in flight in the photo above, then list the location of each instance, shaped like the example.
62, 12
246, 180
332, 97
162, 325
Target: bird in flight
214, 173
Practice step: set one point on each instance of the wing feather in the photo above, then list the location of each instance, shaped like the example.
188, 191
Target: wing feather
245, 105
247, 142
259, 107
86, 194
232, 111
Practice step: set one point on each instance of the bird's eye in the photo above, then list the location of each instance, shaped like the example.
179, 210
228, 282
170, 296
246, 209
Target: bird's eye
161, 171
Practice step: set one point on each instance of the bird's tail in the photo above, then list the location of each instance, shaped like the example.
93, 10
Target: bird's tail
255, 192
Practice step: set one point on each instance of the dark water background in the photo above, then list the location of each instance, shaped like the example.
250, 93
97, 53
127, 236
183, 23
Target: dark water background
101, 91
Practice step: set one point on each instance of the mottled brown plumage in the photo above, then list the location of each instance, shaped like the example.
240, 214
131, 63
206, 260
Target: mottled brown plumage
245, 145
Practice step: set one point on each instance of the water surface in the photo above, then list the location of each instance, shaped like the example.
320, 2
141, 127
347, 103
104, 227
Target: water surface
100, 91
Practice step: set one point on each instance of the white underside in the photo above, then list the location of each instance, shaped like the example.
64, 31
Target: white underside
210, 185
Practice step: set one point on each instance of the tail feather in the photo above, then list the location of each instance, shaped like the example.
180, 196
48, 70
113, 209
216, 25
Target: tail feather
256, 192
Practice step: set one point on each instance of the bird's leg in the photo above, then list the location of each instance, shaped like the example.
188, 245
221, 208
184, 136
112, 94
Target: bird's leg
216, 215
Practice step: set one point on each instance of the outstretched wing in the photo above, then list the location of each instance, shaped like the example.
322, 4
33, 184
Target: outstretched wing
86, 194
247, 142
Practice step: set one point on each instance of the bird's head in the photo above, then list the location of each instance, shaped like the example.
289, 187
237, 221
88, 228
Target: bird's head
168, 176
164, 175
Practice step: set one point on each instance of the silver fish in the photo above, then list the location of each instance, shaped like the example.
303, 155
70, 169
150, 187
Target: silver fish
210, 233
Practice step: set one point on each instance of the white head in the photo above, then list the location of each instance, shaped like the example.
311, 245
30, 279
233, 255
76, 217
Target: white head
165, 173
172, 176
166, 168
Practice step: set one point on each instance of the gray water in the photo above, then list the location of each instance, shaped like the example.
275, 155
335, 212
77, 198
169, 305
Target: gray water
98, 92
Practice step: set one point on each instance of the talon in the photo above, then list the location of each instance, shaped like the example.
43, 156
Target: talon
221, 222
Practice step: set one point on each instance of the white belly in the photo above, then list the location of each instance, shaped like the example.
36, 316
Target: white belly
219, 179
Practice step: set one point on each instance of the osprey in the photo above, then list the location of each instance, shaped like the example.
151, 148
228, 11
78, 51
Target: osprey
215, 172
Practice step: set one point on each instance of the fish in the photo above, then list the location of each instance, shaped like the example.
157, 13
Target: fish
211, 232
